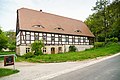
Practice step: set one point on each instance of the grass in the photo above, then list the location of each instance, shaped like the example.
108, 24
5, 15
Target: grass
6, 72
5, 53
107, 50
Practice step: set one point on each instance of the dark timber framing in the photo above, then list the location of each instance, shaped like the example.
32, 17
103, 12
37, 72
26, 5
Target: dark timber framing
62, 39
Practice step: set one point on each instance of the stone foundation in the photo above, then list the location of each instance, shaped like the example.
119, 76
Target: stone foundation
21, 50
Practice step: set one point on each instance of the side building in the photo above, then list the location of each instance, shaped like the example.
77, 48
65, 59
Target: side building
57, 32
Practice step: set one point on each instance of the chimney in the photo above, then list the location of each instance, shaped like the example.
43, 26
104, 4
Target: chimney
40, 10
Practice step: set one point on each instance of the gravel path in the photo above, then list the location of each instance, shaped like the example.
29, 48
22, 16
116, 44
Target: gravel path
44, 71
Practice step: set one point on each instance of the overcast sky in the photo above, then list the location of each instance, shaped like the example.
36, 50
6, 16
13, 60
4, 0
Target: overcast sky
76, 9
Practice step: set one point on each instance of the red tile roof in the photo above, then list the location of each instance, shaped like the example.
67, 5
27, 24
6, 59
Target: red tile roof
50, 22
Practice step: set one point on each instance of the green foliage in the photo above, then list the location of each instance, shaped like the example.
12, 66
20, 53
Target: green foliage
72, 48
6, 72
28, 55
36, 47
105, 22
107, 50
113, 39
11, 39
3, 40
99, 44
12, 47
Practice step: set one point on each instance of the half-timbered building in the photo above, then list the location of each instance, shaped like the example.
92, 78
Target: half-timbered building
57, 32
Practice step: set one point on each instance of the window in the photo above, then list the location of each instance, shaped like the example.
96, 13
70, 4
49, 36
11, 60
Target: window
44, 50
73, 39
27, 37
36, 37
27, 50
59, 38
66, 39
59, 49
79, 40
84, 39
52, 38
44, 37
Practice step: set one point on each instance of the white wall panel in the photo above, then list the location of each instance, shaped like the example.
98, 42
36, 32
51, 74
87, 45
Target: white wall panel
40, 38
27, 32
63, 39
27, 42
56, 42
56, 39
56, 35
32, 33
81, 40
70, 36
40, 34
32, 41
49, 35
48, 42
63, 42
23, 42
70, 40
48, 39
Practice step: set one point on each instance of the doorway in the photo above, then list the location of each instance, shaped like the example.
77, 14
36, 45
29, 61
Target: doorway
52, 50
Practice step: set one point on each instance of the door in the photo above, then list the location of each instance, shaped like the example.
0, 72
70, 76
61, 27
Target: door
52, 50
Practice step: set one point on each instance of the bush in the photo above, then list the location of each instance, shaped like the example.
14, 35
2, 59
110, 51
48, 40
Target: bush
36, 47
113, 39
28, 55
99, 44
72, 48
38, 53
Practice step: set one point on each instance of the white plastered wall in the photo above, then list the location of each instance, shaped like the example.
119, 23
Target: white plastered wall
21, 50
48, 48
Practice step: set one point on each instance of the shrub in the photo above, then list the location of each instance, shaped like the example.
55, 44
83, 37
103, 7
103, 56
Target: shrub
113, 39
72, 48
28, 55
98, 44
36, 47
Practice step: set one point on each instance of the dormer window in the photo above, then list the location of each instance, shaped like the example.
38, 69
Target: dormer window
78, 31
39, 26
59, 28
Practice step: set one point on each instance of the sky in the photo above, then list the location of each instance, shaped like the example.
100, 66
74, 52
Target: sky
76, 9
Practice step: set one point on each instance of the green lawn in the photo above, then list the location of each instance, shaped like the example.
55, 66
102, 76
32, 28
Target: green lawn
5, 72
75, 56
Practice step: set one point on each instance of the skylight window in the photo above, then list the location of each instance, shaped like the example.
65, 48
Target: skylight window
39, 26
78, 31
59, 28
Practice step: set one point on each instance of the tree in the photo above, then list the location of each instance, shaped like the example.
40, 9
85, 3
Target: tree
105, 22
94, 22
101, 7
11, 39
37, 46
3, 40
